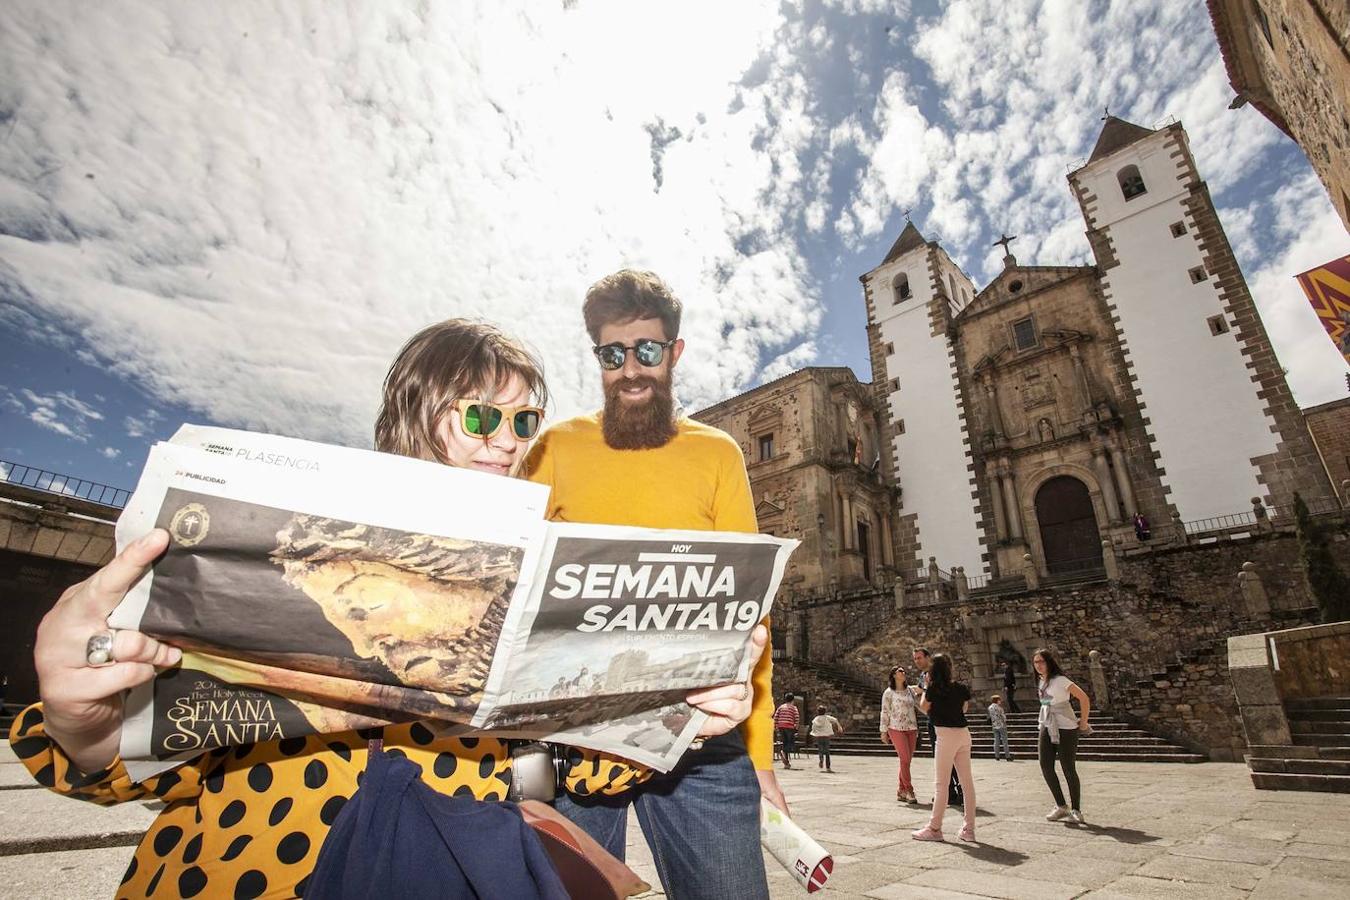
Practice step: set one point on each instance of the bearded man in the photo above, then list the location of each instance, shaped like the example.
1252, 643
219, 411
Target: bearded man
640, 462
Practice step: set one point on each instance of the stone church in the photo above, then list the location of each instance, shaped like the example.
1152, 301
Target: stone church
1026, 423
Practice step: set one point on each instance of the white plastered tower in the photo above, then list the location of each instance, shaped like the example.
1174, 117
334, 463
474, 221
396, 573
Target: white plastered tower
1221, 420
911, 299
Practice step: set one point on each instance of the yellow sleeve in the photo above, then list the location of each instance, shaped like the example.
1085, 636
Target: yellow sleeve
52, 769
735, 511
592, 772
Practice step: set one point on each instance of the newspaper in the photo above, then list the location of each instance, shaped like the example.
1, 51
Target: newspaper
317, 589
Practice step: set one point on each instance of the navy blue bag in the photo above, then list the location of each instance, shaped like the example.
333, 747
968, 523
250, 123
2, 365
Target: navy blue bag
397, 837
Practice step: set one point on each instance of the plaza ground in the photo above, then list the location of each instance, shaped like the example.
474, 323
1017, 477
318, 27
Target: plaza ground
1155, 830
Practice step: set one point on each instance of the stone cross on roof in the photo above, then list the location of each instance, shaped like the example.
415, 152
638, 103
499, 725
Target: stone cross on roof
1003, 241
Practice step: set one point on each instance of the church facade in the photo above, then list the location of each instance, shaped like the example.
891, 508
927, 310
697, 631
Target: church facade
1029, 422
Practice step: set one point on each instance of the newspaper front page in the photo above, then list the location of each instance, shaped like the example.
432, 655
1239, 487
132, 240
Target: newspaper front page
319, 589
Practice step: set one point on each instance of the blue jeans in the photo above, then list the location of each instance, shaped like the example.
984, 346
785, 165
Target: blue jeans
1001, 740
701, 821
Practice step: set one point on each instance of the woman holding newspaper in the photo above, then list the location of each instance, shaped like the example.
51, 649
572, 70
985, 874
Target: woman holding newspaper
250, 821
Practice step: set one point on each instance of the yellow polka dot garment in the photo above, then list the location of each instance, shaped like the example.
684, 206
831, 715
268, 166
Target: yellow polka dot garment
248, 822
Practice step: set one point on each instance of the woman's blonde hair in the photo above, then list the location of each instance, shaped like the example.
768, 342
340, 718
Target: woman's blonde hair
454, 359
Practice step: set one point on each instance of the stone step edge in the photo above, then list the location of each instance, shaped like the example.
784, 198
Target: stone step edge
21, 846
1274, 781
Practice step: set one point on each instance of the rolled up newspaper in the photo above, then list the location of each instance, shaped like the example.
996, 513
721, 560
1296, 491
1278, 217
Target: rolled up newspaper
809, 863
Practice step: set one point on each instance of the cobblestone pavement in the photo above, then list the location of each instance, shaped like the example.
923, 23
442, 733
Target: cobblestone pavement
1155, 830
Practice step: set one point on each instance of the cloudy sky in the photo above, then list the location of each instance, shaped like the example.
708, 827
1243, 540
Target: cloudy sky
236, 213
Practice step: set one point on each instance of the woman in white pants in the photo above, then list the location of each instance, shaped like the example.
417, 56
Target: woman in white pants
945, 702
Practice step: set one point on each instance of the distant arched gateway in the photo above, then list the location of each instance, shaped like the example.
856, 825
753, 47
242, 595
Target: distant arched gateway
1069, 535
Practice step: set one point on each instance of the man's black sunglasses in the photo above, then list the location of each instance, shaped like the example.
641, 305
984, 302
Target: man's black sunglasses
646, 351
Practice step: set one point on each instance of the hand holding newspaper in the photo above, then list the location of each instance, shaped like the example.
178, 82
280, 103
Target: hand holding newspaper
317, 588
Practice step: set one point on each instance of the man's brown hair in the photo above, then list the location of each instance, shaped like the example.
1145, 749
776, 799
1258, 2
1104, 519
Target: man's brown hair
629, 295
454, 359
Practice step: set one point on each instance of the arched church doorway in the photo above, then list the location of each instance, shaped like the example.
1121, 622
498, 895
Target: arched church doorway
1069, 535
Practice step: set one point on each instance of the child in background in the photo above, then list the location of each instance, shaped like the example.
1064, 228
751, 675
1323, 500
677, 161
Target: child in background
999, 720
824, 727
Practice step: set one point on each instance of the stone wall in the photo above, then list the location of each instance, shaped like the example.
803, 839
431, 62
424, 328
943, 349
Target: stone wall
1190, 703
1329, 424
858, 714
1314, 662
1290, 59
1158, 631
1208, 572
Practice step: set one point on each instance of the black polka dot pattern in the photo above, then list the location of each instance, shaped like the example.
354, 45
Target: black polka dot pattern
236, 847
233, 814
445, 764
279, 811
154, 882
331, 807
247, 821
192, 882
250, 885
316, 773
291, 746
260, 777
293, 848
167, 839
192, 849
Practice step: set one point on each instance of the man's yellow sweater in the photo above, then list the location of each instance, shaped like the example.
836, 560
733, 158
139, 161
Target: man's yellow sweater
696, 481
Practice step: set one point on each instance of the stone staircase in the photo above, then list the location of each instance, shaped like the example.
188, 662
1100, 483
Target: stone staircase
1319, 760
1111, 739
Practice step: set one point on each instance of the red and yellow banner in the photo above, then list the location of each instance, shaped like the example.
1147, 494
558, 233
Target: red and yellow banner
1328, 290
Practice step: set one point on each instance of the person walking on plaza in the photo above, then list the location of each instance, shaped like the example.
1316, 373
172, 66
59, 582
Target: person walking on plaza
900, 727
1010, 685
1059, 730
998, 720
945, 702
823, 727
786, 719
923, 660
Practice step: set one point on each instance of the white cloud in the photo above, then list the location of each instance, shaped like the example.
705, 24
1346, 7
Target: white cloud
61, 412
139, 426
110, 453
247, 208
1316, 369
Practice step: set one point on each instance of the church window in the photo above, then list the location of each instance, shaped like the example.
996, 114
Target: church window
901, 285
766, 446
1024, 333
1131, 182
1178, 229
1198, 274
890, 349
899, 426
1217, 325
951, 288
965, 297
1014, 286
894, 385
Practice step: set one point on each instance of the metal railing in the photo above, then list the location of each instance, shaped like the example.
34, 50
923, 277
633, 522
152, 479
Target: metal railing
1275, 515
62, 485
1083, 565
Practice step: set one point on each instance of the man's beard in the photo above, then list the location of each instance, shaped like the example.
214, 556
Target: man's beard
639, 426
